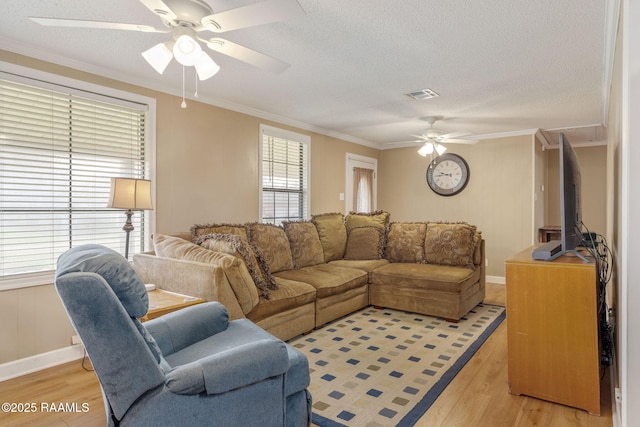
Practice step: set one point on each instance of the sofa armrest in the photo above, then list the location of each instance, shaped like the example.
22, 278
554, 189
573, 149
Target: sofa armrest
180, 329
196, 279
230, 369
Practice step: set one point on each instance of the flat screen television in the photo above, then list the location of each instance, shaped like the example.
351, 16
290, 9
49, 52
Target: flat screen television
570, 207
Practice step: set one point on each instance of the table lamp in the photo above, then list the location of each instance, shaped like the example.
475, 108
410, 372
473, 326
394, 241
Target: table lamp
130, 194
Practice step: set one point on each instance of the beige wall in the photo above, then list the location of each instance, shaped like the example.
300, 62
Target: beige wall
498, 198
207, 166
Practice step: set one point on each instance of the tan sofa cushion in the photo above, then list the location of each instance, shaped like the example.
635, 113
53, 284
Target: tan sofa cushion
289, 295
236, 271
443, 278
332, 233
306, 249
272, 245
327, 279
405, 242
364, 242
233, 244
374, 219
450, 244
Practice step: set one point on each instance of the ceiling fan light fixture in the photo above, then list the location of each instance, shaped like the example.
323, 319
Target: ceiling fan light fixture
426, 149
187, 50
206, 67
440, 149
159, 56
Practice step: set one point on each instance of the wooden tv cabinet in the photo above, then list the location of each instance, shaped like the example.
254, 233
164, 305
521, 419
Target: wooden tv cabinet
552, 330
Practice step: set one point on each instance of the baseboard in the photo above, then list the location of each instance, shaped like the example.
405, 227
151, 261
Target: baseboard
41, 361
498, 280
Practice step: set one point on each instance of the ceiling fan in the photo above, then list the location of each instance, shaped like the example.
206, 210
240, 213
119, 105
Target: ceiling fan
188, 21
434, 138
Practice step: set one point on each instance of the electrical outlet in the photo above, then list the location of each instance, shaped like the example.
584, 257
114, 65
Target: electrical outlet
341, 196
76, 340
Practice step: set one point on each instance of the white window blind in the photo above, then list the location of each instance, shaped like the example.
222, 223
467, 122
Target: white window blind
285, 176
58, 152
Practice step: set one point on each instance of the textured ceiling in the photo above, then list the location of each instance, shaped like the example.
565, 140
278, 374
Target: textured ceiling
498, 66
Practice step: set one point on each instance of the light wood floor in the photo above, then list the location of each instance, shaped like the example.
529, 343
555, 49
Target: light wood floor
478, 395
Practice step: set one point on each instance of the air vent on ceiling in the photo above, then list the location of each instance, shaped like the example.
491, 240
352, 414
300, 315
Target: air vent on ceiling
422, 94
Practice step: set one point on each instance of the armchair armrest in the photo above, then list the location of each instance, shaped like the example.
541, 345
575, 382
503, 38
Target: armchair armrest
230, 369
180, 329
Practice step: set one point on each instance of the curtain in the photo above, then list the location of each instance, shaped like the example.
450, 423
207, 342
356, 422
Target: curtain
363, 189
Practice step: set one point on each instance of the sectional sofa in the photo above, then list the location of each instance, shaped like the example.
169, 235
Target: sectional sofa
293, 278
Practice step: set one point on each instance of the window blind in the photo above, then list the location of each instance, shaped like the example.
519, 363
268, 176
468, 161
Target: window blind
285, 178
58, 152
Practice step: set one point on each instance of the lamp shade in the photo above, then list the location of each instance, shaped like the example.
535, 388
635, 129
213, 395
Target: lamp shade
159, 56
130, 193
186, 50
206, 67
427, 148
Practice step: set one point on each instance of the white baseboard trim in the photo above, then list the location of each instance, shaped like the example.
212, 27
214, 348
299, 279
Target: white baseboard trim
41, 361
499, 280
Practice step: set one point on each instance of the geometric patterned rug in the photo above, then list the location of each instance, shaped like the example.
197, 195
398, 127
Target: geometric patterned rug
383, 367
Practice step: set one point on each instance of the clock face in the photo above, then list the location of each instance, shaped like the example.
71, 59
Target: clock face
448, 174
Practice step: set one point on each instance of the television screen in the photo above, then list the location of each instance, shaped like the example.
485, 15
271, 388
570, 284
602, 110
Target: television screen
570, 196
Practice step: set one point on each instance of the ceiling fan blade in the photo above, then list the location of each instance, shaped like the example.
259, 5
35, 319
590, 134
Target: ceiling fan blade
457, 134
79, 23
247, 55
159, 8
252, 15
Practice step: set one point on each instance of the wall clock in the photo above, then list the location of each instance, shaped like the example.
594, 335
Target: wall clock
448, 174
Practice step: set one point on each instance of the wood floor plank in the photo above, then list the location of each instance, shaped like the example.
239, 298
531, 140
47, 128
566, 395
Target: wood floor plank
477, 396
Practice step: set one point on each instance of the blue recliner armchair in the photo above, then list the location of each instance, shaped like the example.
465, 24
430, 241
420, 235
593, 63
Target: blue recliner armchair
191, 367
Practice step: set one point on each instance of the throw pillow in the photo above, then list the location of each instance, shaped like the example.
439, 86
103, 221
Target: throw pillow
233, 244
332, 233
272, 244
235, 270
374, 219
364, 243
200, 230
306, 249
405, 242
450, 244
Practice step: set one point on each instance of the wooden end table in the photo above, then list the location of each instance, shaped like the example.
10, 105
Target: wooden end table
163, 302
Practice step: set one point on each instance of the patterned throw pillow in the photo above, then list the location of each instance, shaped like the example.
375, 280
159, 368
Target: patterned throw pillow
304, 241
374, 219
332, 233
233, 244
405, 242
272, 244
365, 243
200, 230
450, 244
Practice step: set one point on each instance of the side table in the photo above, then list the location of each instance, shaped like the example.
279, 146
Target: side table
163, 302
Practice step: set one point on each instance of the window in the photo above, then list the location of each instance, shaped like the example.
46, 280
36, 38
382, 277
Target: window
284, 171
59, 148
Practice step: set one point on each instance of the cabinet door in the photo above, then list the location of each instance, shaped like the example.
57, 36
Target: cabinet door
552, 332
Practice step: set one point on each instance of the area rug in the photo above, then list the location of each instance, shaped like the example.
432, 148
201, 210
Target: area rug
382, 367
